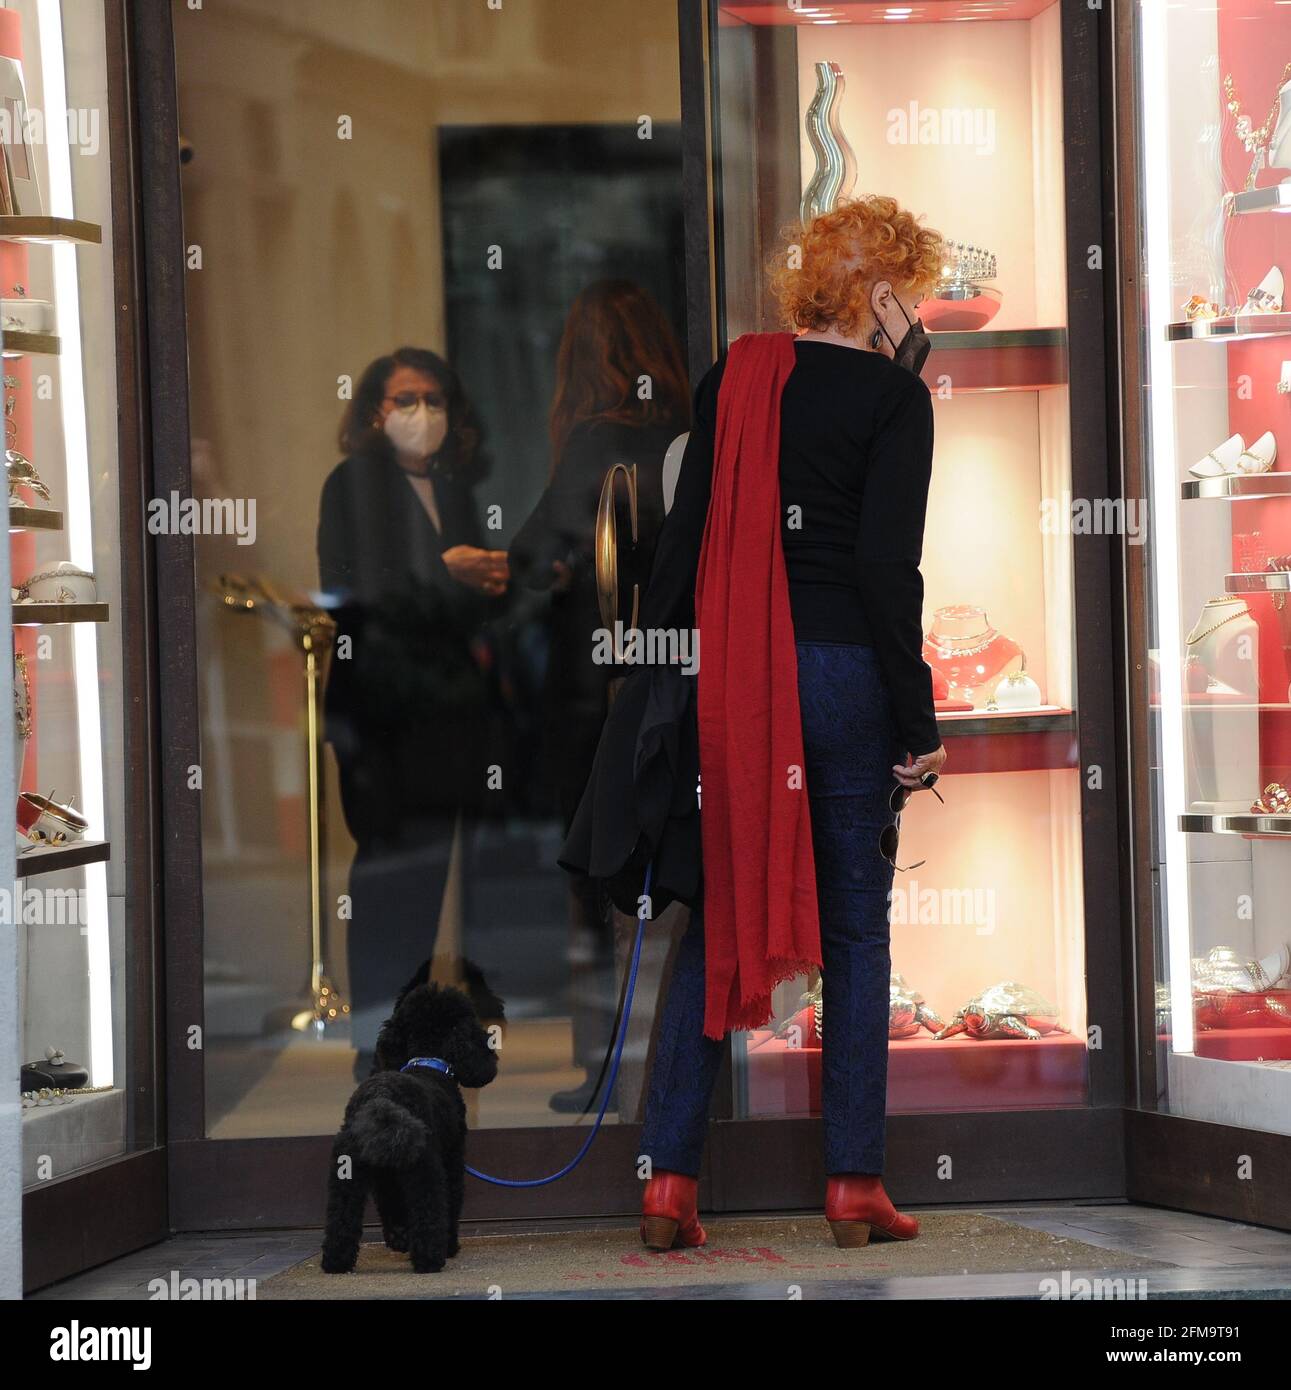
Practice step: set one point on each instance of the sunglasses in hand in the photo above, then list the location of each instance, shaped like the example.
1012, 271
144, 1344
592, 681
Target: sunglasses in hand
890, 835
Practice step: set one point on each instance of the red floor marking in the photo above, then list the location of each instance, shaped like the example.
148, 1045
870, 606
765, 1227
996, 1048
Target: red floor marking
657, 1261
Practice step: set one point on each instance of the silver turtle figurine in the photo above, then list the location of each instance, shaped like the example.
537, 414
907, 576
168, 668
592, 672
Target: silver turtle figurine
908, 1011
1005, 1010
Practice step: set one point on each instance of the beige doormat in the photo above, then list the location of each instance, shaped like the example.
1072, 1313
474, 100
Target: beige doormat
743, 1251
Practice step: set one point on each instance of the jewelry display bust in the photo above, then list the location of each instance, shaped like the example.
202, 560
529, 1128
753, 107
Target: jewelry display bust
969, 653
1221, 687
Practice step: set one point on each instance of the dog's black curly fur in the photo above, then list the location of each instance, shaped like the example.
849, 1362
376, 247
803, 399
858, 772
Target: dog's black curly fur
404, 1134
489, 1008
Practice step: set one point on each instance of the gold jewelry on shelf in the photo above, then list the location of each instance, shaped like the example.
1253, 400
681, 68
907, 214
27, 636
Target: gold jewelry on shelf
1193, 638
25, 724
1276, 565
58, 1095
11, 383
1254, 141
1199, 307
1276, 801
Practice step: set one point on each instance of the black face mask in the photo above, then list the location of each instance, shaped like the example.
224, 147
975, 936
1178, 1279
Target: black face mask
912, 351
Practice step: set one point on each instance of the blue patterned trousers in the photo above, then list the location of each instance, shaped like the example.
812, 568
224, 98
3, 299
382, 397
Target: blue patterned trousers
850, 746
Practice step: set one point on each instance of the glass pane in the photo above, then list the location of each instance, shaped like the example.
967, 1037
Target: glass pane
1214, 115
497, 191
87, 1078
955, 111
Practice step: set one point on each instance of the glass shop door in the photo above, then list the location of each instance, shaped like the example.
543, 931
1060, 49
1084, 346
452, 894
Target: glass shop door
455, 229
457, 223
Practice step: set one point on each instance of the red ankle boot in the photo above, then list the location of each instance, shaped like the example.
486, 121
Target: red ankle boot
668, 1212
857, 1207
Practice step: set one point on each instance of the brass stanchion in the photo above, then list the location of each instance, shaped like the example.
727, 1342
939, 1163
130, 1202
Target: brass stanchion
314, 633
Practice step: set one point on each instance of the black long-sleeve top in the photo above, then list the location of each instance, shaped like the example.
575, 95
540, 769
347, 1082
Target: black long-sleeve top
404, 676
855, 464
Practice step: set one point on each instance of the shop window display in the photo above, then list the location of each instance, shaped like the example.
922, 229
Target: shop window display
957, 113
86, 1078
1214, 119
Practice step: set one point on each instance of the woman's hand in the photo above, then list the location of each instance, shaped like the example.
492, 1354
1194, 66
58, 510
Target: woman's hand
486, 571
913, 773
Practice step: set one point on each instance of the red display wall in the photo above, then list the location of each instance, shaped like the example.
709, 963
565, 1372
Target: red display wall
1255, 48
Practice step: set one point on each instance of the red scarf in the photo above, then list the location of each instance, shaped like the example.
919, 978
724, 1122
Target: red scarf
760, 919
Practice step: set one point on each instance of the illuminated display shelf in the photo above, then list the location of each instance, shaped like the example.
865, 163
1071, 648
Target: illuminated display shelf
1276, 198
50, 230
1253, 827
1237, 487
1258, 582
52, 613
19, 344
1008, 359
968, 723
24, 518
49, 859
1003, 741
1231, 328
1011, 359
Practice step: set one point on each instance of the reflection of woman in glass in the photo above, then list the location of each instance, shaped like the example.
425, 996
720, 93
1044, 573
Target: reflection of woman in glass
399, 558
621, 397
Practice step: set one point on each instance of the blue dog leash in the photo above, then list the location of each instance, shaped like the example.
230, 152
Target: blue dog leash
614, 1068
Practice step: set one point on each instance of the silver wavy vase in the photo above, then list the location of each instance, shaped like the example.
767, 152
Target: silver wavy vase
835, 163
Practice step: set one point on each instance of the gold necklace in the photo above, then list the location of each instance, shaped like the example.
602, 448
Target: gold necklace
58, 1095
24, 715
1192, 641
1253, 140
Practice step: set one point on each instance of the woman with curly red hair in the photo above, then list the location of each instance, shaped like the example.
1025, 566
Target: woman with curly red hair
793, 545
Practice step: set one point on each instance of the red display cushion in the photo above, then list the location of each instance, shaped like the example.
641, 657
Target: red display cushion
1242, 1044
1216, 1010
957, 1074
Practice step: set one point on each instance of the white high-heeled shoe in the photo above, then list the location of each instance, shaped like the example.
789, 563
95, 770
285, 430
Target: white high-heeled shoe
1221, 459
1260, 457
1277, 965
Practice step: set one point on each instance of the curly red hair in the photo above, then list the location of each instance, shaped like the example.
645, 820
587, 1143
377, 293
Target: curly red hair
841, 255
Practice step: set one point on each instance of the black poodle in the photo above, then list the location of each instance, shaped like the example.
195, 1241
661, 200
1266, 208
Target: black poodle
489, 1008
404, 1133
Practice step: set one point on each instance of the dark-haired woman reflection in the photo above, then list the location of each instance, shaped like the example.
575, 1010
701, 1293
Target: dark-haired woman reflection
406, 700
621, 397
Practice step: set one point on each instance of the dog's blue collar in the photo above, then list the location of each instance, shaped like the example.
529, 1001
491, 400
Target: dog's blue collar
433, 1063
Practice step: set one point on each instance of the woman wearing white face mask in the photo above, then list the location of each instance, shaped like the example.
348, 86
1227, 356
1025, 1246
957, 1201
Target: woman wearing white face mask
407, 700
